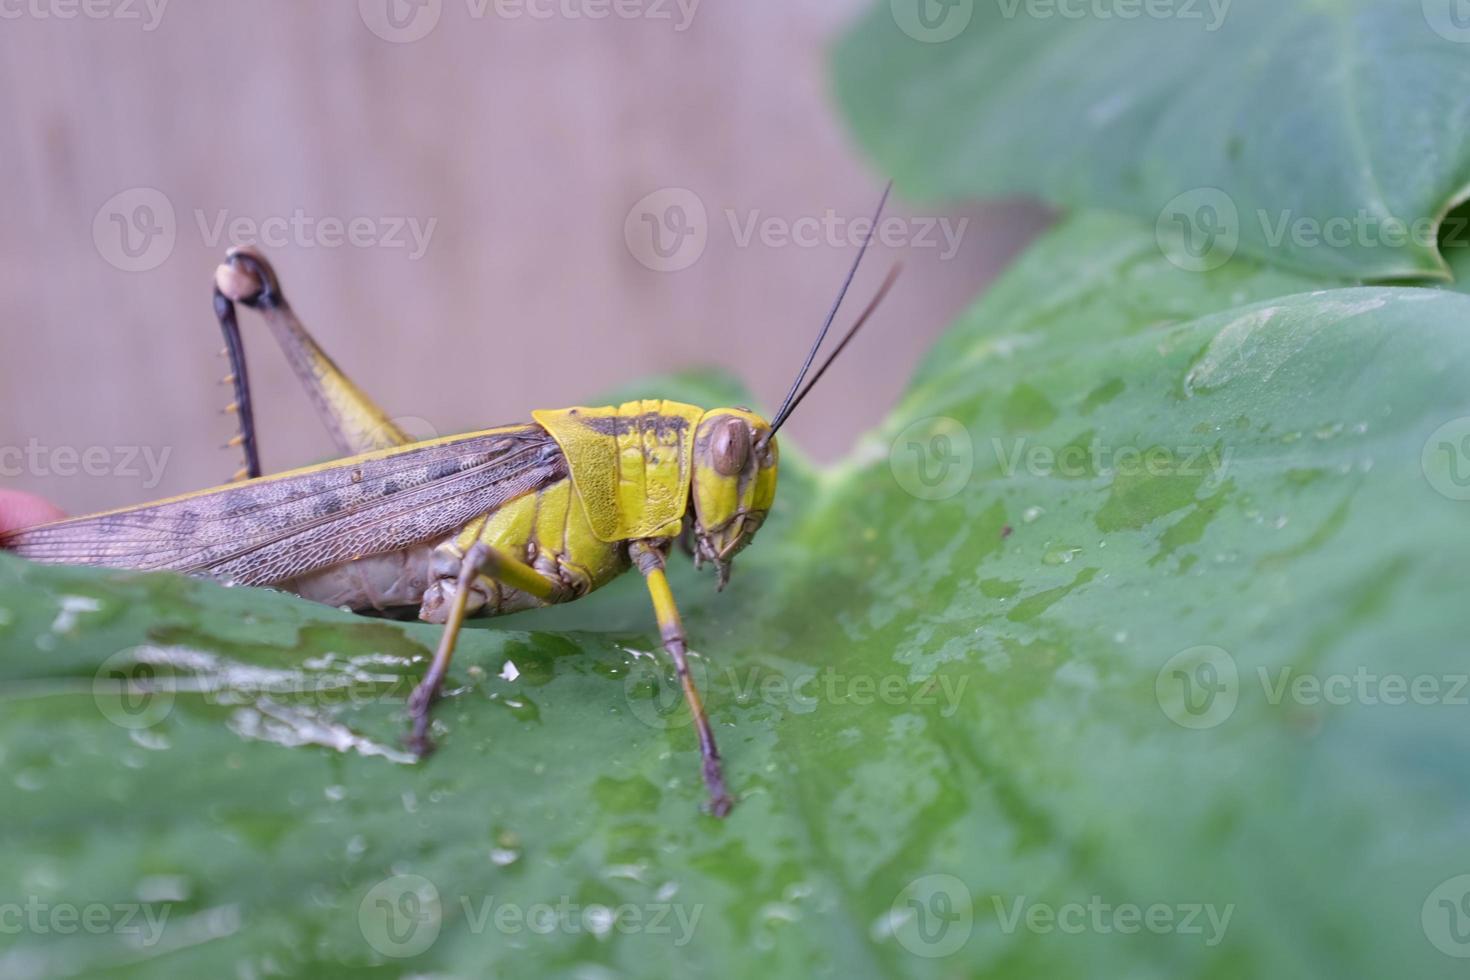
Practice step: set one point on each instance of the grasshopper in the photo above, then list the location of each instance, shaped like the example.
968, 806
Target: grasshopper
484, 523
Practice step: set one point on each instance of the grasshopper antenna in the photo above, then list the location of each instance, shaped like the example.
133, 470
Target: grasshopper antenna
867, 312
788, 404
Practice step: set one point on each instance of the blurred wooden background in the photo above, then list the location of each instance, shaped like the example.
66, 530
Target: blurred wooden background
526, 140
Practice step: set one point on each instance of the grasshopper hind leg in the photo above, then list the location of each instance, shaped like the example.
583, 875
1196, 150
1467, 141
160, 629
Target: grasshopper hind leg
224, 311
356, 423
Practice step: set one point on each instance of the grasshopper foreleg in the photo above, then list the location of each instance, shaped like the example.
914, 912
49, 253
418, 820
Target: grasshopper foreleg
649, 557
480, 560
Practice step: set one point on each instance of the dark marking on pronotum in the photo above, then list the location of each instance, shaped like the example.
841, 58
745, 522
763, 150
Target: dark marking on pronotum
621, 425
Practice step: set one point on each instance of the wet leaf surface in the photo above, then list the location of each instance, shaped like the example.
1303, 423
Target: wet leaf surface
1025, 687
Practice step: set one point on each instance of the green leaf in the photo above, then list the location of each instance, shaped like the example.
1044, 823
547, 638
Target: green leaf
948, 680
1326, 135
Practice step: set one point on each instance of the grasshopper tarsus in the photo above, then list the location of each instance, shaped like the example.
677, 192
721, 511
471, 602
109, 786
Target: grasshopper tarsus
720, 801
420, 703
418, 742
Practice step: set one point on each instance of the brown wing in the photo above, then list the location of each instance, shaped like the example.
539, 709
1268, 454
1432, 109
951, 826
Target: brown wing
276, 528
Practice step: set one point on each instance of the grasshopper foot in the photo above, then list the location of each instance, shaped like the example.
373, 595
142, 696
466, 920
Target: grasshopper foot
420, 703
720, 800
720, 806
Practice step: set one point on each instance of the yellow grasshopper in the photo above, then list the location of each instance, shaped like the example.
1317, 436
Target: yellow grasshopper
484, 523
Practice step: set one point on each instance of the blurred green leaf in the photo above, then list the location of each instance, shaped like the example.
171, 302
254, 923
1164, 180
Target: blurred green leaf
1326, 136
992, 712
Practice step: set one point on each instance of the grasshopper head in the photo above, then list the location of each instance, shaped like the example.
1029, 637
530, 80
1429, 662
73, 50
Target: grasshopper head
735, 456
733, 485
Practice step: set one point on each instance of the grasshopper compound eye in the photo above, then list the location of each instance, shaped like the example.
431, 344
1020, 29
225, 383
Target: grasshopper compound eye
731, 447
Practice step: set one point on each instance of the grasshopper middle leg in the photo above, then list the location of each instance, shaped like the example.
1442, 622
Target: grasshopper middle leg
480, 560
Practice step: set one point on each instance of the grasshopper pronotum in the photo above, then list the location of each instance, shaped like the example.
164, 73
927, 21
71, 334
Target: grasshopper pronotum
483, 523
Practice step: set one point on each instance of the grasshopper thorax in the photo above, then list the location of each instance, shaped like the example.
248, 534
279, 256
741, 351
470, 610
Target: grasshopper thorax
733, 483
